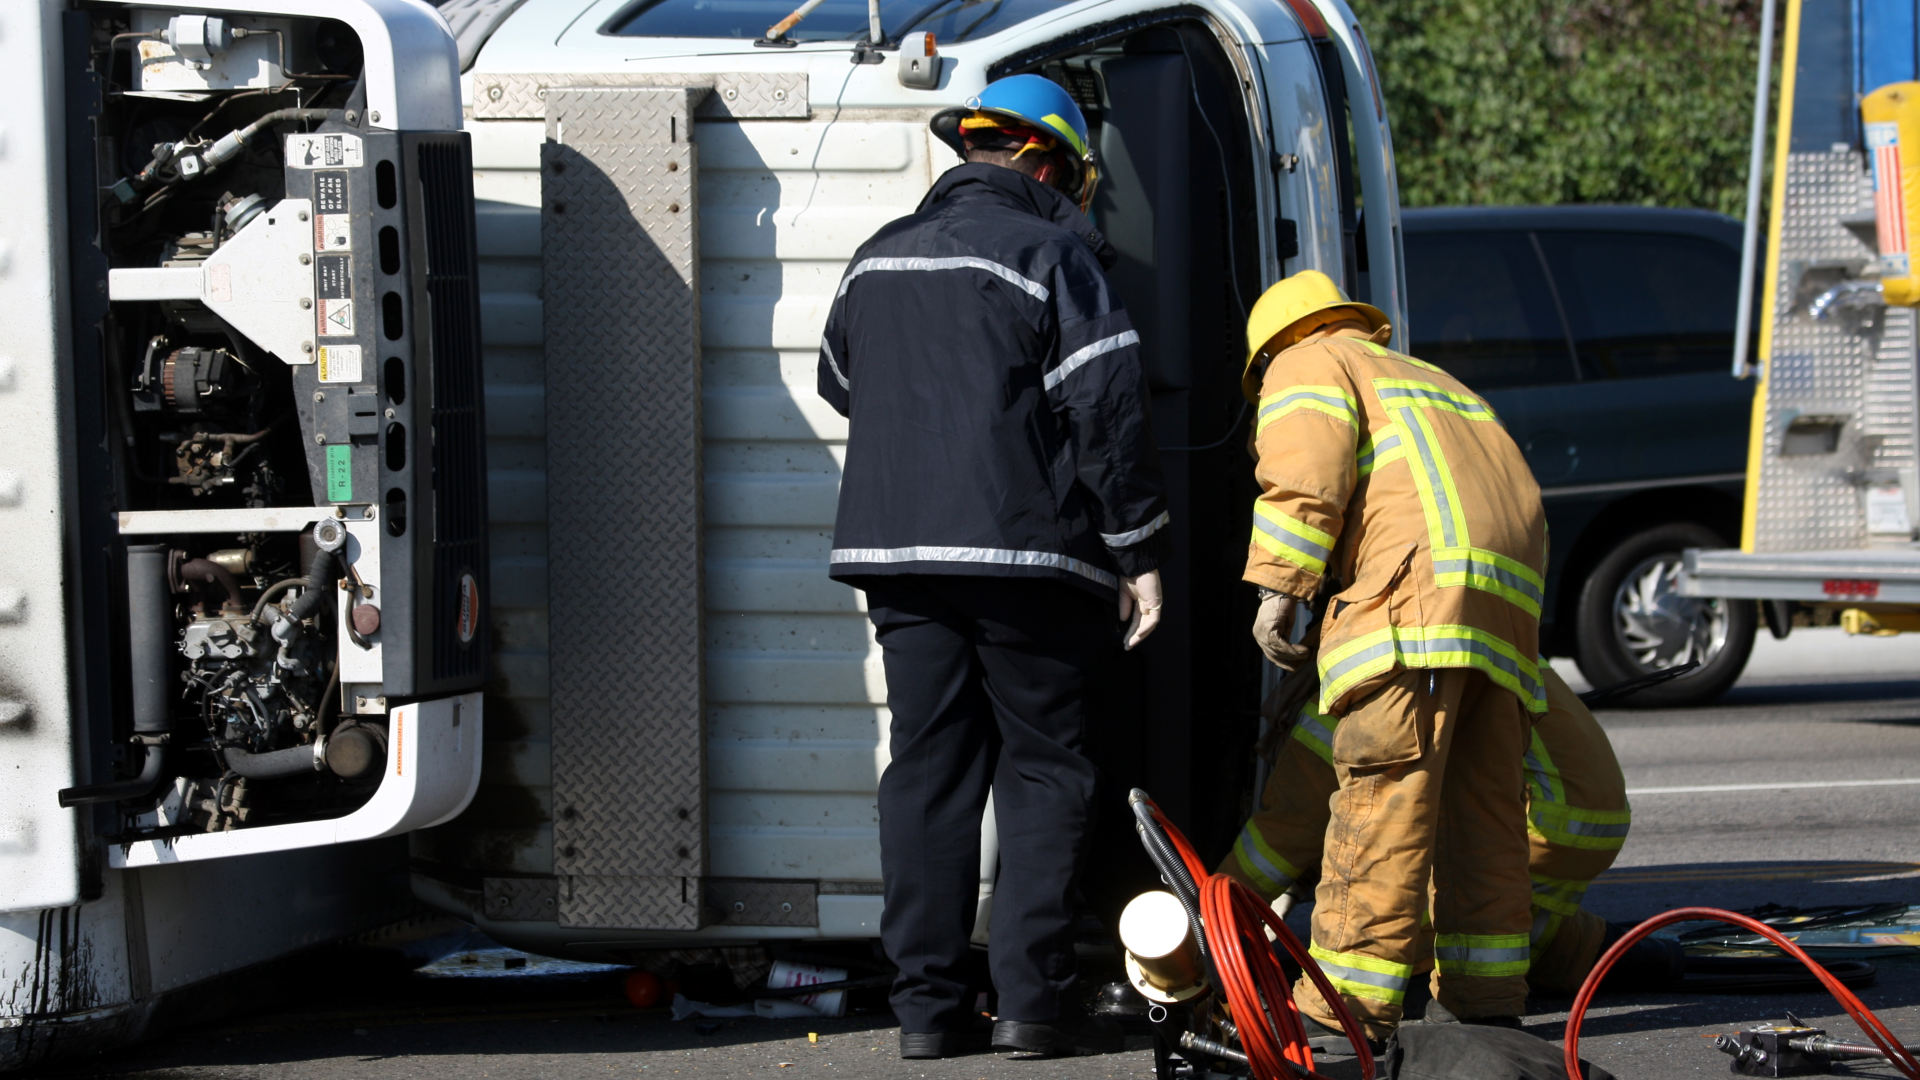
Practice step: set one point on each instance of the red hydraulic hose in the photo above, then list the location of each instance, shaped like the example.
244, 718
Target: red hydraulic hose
1256, 989
1899, 1055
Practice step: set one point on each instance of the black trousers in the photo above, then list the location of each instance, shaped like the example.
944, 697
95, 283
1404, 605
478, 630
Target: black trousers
985, 678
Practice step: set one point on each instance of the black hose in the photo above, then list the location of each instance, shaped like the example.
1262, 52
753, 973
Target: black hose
1172, 870
139, 787
273, 593
229, 145
293, 761
319, 584
329, 698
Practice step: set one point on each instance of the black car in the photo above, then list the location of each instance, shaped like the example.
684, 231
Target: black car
1603, 336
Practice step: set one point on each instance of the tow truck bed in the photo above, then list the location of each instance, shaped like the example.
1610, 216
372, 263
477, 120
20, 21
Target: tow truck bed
1887, 575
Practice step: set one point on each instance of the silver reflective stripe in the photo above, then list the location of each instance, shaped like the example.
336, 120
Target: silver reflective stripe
1115, 540
1364, 656
1542, 922
1436, 483
989, 556
963, 262
1078, 359
1471, 565
1382, 446
1250, 850
1361, 975
1612, 830
1540, 775
834, 364
1415, 646
1313, 727
1342, 404
1465, 405
1469, 954
1290, 538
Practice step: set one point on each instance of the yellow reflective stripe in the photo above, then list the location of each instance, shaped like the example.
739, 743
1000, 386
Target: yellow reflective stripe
1487, 955
1542, 775
1363, 976
1558, 895
1398, 393
1262, 864
1403, 358
1059, 124
1314, 730
1444, 646
1589, 830
1330, 400
1446, 520
1545, 925
1291, 539
1381, 448
1490, 571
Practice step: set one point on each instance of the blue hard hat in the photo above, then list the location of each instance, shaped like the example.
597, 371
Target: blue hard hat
1037, 102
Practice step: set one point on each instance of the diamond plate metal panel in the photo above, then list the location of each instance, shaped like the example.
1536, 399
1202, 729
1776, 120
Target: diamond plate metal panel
520, 899
631, 903
1857, 365
622, 324
753, 902
738, 95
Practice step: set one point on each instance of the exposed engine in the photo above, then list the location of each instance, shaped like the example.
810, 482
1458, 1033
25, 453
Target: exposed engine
255, 259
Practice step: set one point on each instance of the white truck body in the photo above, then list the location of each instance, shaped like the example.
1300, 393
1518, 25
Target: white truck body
794, 691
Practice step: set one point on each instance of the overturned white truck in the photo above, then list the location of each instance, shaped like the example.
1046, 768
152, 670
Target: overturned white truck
365, 384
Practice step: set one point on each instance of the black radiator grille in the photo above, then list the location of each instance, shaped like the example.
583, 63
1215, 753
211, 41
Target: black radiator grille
458, 458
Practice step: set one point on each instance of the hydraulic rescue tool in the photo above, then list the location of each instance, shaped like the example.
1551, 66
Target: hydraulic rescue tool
1221, 1003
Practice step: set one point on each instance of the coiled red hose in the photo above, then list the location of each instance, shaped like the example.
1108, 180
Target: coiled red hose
1257, 990
1891, 1048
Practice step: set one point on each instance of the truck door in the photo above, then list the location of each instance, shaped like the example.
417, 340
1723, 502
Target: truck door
38, 868
1374, 271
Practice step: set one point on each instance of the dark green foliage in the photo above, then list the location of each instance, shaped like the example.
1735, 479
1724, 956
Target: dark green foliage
1568, 101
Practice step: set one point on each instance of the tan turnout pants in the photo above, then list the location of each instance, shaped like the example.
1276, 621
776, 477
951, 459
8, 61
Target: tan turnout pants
1577, 821
1431, 790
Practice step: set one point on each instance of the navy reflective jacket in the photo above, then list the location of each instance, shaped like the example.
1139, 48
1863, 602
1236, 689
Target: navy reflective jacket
999, 418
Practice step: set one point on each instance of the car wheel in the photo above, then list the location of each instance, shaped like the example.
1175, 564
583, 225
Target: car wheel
1633, 621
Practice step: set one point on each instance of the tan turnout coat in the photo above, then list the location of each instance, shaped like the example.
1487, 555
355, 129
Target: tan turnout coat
1386, 480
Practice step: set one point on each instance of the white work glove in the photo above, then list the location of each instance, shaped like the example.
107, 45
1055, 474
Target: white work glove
1140, 604
1273, 629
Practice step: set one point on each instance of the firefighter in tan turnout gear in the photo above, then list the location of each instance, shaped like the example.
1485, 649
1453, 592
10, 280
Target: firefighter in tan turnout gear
1392, 488
1577, 819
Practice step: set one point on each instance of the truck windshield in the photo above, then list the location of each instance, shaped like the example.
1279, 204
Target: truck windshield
835, 20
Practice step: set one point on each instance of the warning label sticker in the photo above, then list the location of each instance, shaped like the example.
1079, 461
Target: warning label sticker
325, 151
339, 473
333, 276
340, 363
330, 192
336, 318
332, 232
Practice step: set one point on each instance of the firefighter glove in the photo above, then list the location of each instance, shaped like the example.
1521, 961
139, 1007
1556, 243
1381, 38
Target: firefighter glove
1273, 629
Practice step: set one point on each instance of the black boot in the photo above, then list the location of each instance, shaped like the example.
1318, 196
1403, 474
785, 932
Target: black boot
1325, 1040
1440, 1014
974, 1038
1069, 1036
1653, 963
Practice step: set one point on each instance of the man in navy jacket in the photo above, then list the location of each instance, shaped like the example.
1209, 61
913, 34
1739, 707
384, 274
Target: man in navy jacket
1002, 506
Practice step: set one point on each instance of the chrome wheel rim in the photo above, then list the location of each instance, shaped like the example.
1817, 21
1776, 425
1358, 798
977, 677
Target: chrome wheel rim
1657, 627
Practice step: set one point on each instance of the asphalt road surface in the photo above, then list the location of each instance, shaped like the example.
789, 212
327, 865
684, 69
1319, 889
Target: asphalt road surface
1801, 787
